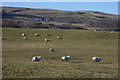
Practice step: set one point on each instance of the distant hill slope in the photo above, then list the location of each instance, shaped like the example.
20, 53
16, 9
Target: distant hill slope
49, 18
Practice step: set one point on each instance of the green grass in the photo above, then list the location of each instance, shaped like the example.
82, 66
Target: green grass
80, 45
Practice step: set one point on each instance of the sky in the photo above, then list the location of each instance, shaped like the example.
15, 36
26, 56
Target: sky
60, 0
107, 7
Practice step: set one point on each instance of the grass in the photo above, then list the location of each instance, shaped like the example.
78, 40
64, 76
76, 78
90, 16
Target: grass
80, 45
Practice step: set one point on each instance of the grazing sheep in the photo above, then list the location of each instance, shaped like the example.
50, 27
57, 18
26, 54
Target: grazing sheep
51, 49
23, 34
111, 31
27, 27
95, 30
3, 38
46, 40
58, 37
36, 34
36, 58
96, 59
24, 38
65, 58
46, 34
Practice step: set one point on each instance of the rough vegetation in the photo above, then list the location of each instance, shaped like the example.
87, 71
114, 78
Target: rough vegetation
48, 18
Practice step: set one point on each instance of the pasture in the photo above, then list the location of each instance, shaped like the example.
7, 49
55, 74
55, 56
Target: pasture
81, 45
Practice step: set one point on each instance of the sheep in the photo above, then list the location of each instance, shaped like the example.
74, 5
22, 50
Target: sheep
46, 34
51, 49
65, 58
111, 31
27, 27
46, 40
36, 58
3, 38
36, 34
95, 30
23, 34
58, 37
96, 59
24, 38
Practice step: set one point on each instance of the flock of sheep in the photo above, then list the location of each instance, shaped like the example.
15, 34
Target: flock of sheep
38, 58
63, 58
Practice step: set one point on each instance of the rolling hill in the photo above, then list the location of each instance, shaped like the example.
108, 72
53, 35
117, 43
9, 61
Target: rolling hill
49, 18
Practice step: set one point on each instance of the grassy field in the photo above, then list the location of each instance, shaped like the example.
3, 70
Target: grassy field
80, 45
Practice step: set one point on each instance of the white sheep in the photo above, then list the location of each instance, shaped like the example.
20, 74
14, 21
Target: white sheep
51, 49
23, 34
36, 34
46, 34
65, 58
46, 40
58, 37
4, 38
96, 59
1, 37
27, 27
111, 31
36, 58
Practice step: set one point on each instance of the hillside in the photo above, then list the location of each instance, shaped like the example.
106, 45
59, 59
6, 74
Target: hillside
49, 18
